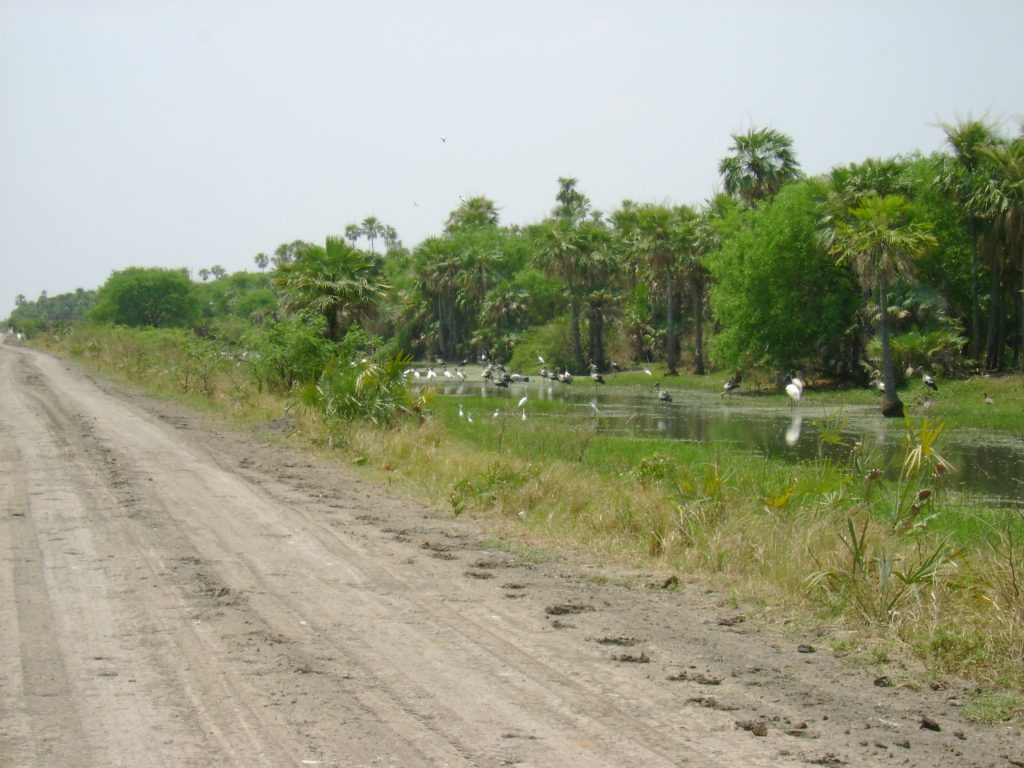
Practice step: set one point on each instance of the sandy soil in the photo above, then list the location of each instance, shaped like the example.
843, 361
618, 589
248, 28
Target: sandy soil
176, 594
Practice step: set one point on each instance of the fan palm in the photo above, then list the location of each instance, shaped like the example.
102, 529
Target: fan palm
880, 243
761, 161
337, 282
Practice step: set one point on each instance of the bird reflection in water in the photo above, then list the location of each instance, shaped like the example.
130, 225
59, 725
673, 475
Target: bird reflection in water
793, 430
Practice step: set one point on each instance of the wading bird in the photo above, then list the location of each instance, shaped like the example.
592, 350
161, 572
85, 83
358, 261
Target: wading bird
794, 388
663, 394
733, 383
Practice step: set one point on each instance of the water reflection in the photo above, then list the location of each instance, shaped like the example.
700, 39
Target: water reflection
987, 464
793, 430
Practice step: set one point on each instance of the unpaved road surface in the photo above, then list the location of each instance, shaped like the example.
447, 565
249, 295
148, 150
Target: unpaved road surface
176, 594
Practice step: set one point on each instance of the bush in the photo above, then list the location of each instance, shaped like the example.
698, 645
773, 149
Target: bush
284, 353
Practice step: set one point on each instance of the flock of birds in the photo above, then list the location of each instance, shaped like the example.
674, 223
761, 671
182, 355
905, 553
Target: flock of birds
496, 374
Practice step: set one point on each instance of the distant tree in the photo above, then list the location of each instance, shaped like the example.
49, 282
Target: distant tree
204, 274
390, 237
352, 233
218, 271
287, 253
141, 296
761, 161
336, 282
475, 213
1001, 204
372, 229
777, 295
960, 177
881, 243
660, 240
262, 261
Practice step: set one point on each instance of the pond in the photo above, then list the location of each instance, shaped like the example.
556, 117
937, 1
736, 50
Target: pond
990, 465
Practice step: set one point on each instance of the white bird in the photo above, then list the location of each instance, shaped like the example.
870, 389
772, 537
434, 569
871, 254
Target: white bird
431, 373
496, 414
929, 381
593, 407
469, 417
795, 391
663, 394
461, 412
540, 359
444, 139
648, 371
460, 374
987, 400
448, 374
522, 401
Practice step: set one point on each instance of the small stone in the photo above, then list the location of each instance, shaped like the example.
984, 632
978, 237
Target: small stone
805, 648
883, 682
929, 725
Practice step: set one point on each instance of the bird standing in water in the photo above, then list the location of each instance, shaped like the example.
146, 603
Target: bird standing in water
733, 383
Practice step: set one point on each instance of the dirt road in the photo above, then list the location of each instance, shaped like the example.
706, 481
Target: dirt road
176, 594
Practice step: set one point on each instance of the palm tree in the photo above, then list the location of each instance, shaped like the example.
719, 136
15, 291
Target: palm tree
660, 240
436, 266
337, 282
475, 213
761, 161
352, 233
371, 228
959, 177
560, 254
1002, 200
881, 243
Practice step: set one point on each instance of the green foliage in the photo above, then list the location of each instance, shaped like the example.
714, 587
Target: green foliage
760, 162
147, 297
368, 390
336, 282
284, 353
875, 581
200, 362
244, 295
50, 313
781, 301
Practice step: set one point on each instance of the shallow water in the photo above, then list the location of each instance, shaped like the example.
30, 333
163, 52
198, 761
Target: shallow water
985, 464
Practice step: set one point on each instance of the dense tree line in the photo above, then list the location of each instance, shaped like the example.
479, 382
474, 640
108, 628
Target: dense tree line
877, 268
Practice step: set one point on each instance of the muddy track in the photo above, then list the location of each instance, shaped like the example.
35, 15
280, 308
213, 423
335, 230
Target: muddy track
176, 594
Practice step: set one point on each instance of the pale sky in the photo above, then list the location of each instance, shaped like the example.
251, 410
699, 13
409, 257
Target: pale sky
188, 133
